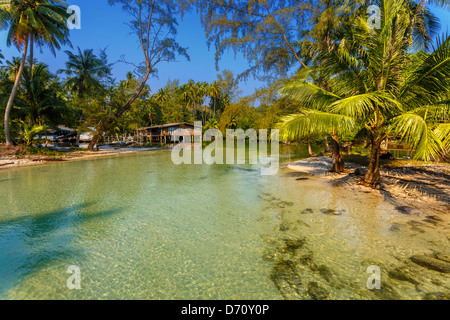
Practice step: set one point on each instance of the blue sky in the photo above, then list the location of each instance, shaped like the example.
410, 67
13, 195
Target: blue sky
103, 26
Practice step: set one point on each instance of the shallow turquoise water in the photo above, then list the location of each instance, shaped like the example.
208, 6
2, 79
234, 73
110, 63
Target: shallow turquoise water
140, 227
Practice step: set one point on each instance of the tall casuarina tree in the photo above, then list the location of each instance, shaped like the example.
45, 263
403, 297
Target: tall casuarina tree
154, 22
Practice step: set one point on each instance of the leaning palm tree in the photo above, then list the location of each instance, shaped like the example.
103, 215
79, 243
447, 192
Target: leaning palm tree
45, 19
385, 89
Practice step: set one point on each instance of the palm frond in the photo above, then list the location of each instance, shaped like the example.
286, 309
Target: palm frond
414, 130
308, 94
430, 79
310, 122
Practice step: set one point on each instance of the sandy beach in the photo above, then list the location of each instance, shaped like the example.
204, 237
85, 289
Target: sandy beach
7, 162
411, 187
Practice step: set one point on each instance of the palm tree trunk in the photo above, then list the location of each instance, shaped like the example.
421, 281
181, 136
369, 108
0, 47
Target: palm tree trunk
9, 140
204, 115
309, 148
325, 141
337, 162
31, 55
373, 173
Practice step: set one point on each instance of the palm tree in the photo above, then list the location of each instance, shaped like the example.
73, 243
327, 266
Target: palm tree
214, 92
12, 68
202, 91
40, 101
162, 98
30, 132
381, 87
84, 71
1, 56
188, 92
26, 19
315, 46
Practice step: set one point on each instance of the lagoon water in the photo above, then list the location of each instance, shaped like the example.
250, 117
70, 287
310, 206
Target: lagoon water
140, 227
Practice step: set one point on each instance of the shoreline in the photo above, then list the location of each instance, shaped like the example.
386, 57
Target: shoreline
35, 160
410, 188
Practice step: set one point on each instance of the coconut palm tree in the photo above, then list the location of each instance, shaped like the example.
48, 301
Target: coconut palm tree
45, 20
162, 97
379, 85
188, 92
30, 132
39, 101
84, 72
202, 91
214, 92
12, 67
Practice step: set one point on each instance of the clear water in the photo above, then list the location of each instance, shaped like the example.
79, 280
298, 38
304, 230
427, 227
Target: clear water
140, 227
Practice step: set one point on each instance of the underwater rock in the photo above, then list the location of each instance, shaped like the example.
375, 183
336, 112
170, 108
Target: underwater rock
306, 259
287, 280
282, 204
316, 292
431, 263
328, 276
402, 275
434, 218
434, 222
417, 229
394, 227
293, 244
307, 211
404, 209
325, 272
441, 256
332, 212
386, 292
436, 296
271, 256
437, 282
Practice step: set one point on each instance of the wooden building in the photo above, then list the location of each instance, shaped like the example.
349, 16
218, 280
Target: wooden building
168, 133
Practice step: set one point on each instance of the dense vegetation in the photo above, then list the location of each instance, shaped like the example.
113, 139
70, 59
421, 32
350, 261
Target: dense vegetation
328, 74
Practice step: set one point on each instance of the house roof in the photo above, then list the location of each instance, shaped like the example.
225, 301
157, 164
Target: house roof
64, 128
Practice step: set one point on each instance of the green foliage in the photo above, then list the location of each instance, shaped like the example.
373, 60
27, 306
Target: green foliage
263, 31
85, 72
42, 151
28, 133
44, 19
378, 85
